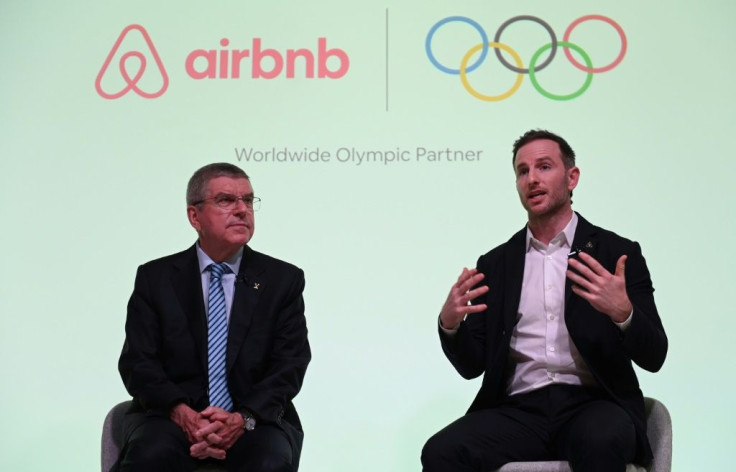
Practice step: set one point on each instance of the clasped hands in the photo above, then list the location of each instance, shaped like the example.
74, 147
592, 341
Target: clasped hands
210, 432
606, 292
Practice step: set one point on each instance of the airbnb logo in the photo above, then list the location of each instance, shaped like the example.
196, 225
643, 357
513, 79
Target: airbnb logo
131, 83
230, 62
255, 62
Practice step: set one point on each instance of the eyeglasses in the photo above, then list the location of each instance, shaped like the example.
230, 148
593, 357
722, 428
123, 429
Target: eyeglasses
228, 201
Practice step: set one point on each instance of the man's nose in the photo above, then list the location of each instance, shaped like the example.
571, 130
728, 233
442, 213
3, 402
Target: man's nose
241, 207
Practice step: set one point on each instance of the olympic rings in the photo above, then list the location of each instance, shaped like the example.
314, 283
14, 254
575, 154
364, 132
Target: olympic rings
534, 66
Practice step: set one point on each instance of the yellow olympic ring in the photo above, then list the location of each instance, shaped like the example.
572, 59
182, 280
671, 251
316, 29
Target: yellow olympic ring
491, 98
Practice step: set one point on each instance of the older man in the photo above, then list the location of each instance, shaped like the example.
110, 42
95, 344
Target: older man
559, 313
216, 344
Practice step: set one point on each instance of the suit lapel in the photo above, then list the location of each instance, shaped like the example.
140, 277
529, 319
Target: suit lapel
187, 282
585, 240
514, 269
249, 285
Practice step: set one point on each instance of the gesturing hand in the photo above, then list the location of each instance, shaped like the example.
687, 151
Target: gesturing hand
606, 292
457, 304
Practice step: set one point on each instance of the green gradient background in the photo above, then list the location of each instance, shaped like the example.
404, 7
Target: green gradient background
93, 187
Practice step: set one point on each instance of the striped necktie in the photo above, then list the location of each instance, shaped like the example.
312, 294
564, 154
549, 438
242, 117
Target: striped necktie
217, 340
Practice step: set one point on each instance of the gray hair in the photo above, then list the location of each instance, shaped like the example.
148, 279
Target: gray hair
198, 183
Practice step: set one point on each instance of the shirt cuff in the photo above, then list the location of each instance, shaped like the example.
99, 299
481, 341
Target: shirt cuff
449, 332
624, 325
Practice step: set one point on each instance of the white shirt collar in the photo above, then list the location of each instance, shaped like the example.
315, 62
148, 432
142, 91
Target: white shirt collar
563, 239
233, 263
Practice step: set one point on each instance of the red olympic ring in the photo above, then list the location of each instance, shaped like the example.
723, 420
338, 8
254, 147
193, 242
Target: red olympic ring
596, 70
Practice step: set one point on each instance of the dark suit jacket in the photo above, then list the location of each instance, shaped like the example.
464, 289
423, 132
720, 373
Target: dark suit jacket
164, 358
481, 344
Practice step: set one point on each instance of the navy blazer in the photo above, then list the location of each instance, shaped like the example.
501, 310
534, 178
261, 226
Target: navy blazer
164, 358
481, 344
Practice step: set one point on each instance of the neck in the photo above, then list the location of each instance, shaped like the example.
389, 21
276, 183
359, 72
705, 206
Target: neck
546, 227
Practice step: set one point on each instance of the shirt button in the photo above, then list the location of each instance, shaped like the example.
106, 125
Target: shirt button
549, 287
551, 349
551, 316
549, 258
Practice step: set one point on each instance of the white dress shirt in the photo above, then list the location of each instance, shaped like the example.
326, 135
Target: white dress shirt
541, 351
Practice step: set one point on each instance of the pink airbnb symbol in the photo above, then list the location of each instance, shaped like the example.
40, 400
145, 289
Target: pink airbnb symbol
132, 82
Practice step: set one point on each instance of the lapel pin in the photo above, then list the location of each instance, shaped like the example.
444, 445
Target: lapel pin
256, 286
589, 245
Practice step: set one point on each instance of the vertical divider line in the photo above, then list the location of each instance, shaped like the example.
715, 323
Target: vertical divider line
387, 59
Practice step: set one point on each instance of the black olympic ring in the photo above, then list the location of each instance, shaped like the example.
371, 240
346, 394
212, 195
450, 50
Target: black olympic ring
545, 25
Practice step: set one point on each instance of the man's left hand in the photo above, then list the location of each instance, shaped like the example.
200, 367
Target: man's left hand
606, 292
224, 429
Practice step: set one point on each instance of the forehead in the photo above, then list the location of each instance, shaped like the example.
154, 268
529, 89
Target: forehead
234, 185
538, 149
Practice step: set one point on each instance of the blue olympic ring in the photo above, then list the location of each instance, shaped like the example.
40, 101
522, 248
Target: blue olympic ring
464, 19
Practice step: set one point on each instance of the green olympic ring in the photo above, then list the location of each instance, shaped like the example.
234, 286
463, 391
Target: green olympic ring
577, 93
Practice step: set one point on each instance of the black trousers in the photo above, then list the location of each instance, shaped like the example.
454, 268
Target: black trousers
155, 443
559, 422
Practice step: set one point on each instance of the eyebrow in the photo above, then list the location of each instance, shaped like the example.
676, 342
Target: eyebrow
250, 194
537, 160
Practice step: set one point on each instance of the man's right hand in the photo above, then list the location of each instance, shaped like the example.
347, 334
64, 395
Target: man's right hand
457, 304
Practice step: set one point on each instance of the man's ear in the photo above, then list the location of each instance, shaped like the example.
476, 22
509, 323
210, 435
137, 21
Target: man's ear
193, 216
573, 175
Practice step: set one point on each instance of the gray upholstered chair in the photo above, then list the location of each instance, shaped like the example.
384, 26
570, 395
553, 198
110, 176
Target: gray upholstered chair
112, 439
659, 430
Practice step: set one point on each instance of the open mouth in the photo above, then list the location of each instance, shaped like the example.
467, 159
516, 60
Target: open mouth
535, 197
